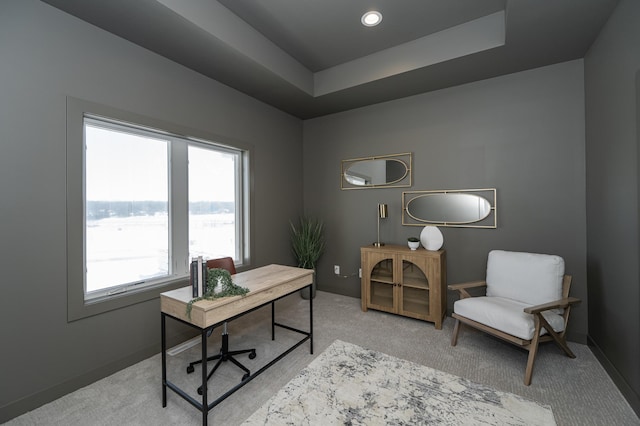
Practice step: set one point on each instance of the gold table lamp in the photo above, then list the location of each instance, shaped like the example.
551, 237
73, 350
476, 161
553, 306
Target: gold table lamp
382, 214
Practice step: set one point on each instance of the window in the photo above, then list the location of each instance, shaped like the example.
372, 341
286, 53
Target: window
151, 199
126, 207
214, 198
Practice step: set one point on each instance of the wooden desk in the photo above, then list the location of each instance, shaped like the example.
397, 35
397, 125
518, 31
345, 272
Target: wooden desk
266, 284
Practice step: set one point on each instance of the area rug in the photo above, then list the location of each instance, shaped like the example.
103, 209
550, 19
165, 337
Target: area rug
350, 385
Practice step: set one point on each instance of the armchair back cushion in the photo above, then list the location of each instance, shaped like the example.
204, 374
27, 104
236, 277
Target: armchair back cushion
529, 278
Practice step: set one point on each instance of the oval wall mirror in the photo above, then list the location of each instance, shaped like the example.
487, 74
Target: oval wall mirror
374, 172
461, 208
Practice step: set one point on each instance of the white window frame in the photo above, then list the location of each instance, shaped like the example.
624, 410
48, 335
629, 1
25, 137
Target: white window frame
80, 304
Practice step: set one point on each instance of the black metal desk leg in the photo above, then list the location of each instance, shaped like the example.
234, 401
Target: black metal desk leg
205, 405
164, 358
311, 319
273, 320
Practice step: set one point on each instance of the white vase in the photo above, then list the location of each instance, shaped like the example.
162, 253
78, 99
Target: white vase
431, 238
413, 245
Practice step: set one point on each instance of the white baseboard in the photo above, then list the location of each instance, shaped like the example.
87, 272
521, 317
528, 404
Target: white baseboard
183, 346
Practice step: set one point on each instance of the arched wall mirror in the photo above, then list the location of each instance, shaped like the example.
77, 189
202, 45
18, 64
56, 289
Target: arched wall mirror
384, 171
466, 208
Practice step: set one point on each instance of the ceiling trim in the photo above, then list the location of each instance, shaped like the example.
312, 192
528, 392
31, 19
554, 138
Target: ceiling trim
471, 37
465, 39
221, 23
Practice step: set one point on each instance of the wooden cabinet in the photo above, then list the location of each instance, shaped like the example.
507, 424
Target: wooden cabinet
398, 280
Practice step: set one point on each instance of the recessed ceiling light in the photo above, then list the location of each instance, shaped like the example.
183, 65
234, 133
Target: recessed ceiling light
371, 19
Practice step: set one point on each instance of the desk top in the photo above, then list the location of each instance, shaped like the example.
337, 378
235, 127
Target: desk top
265, 284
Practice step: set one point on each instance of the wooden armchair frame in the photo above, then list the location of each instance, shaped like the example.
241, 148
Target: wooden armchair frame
540, 322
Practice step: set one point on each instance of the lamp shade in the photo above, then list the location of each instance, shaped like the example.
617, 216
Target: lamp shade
382, 211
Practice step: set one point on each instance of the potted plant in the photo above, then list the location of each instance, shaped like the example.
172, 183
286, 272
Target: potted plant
307, 245
413, 243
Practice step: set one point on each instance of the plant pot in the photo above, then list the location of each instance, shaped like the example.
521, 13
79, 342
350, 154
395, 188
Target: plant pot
413, 245
305, 293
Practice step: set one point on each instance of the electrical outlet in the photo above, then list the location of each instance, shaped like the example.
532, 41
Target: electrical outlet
336, 269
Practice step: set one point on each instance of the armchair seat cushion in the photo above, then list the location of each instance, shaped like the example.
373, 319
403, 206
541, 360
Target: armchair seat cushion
506, 315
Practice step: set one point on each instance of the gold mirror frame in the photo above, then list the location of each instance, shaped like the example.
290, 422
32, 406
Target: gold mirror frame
490, 220
406, 159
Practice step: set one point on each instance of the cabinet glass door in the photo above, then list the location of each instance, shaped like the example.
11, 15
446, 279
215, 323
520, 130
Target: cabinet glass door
415, 291
382, 286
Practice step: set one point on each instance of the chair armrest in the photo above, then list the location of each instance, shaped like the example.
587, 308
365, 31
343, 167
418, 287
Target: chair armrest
471, 284
558, 304
462, 287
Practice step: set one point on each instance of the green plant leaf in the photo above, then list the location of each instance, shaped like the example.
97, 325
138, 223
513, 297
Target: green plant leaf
307, 241
228, 288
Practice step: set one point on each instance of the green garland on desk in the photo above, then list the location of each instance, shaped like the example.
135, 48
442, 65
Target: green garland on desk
215, 275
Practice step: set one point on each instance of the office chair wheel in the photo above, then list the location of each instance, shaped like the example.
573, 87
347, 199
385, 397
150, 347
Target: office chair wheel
200, 390
245, 377
252, 355
190, 369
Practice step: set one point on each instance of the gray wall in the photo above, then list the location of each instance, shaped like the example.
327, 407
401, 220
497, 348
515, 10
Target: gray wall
612, 105
46, 55
522, 134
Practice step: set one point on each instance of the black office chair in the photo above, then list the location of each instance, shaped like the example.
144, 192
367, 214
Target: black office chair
225, 354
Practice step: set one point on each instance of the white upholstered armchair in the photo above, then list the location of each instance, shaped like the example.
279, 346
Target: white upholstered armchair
527, 302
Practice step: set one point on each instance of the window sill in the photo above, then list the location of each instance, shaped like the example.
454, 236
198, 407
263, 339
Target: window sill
79, 309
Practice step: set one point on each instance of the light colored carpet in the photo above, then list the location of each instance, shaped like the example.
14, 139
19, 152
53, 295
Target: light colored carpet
350, 385
578, 390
